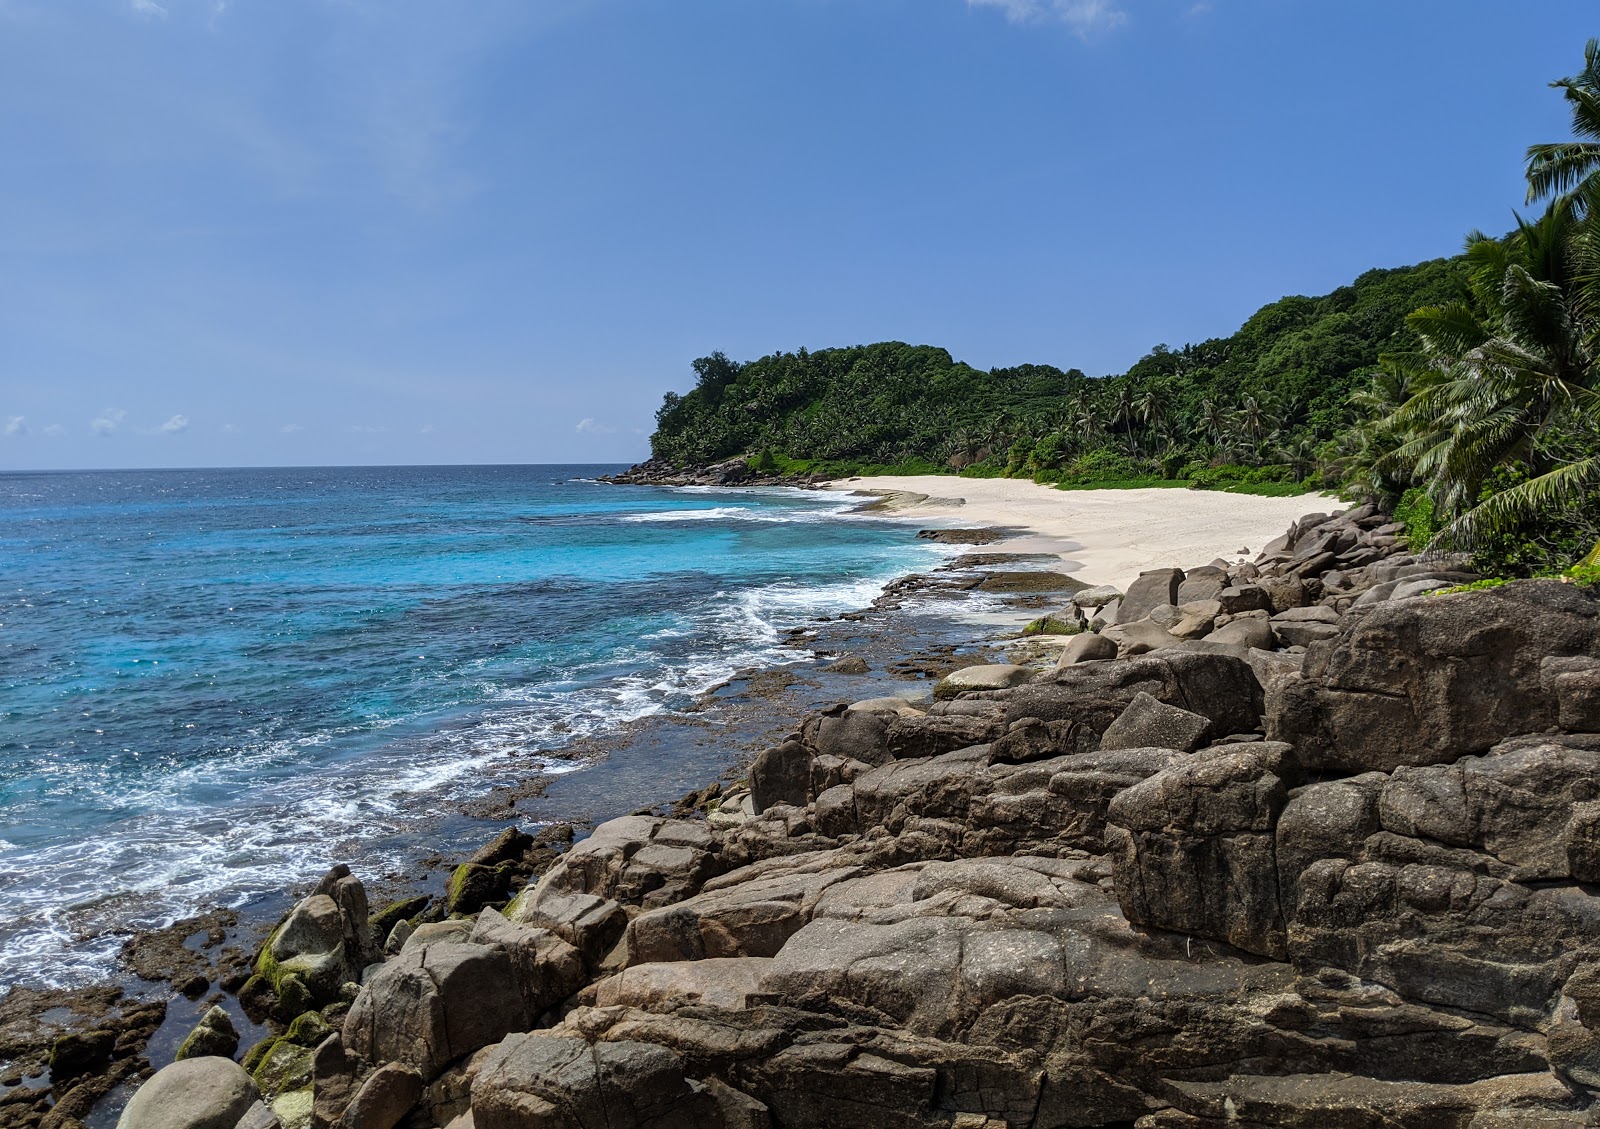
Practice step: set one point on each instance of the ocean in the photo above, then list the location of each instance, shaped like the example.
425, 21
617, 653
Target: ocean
214, 681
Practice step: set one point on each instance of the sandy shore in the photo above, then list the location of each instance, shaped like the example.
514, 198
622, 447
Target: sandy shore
1103, 536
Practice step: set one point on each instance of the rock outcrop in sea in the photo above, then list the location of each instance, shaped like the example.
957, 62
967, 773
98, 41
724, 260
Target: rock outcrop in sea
1289, 843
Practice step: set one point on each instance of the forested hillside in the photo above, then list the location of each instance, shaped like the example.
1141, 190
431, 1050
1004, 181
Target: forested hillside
1262, 405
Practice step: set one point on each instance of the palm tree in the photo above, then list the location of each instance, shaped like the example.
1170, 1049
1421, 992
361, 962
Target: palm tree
1254, 418
1123, 412
1364, 450
1213, 417
1565, 166
1151, 409
1512, 378
1088, 421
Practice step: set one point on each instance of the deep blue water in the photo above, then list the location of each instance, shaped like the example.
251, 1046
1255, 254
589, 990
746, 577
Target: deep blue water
208, 676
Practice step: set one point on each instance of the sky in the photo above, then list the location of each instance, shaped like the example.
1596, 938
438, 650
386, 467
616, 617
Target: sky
321, 232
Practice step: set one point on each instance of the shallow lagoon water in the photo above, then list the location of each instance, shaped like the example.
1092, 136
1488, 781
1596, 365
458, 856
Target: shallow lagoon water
213, 681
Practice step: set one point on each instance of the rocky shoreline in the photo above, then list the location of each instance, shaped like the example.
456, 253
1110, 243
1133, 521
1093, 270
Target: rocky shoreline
730, 472
1291, 842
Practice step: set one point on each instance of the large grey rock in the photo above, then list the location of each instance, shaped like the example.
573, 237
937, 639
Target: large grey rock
1139, 637
1462, 885
782, 774
387, 1095
749, 913
197, 1093
434, 1004
1245, 632
1426, 681
726, 982
927, 945
539, 1081
1194, 851
636, 859
994, 676
1097, 597
1148, 723
1203, 583
1107, 615
1086, 647
1198, 618
1221, 687
1152, 589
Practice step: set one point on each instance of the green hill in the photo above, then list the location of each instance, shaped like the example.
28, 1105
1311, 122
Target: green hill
1260, 406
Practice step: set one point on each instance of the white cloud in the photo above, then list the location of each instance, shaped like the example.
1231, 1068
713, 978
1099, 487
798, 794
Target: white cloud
16, 425
426, 429
367, 429
55, 431
107, 421
1083, 16
176, 424
290, 428
594, 427
148, 8
228, 429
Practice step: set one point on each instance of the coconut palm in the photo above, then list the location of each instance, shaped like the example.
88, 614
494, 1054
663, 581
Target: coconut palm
1565, 166
1511, 379
1214, 419
1151, 409
1088, 421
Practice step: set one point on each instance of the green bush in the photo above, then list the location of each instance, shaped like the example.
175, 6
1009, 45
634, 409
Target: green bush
1149, 483
1415, 512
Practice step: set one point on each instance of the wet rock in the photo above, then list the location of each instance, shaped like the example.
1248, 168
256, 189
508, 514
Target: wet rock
213, 1036
473, 886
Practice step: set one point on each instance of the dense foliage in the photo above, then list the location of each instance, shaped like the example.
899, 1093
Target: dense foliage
1488, 433
1253, 410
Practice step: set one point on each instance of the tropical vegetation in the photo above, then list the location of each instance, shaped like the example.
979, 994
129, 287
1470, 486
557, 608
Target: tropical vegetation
1485, 437
1462, 394
1255, 411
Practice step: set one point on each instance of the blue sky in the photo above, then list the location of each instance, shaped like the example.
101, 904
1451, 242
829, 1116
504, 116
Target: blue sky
268, 232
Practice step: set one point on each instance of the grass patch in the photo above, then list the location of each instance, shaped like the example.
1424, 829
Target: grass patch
1267, 489
1476, 586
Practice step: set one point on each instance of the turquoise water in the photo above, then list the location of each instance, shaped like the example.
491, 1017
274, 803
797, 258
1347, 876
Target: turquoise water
211, 679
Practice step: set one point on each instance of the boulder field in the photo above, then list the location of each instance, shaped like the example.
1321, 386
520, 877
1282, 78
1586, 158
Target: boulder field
1335, 868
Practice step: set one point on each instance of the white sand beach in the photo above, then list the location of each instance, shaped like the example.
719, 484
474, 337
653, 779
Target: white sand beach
1103, 536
